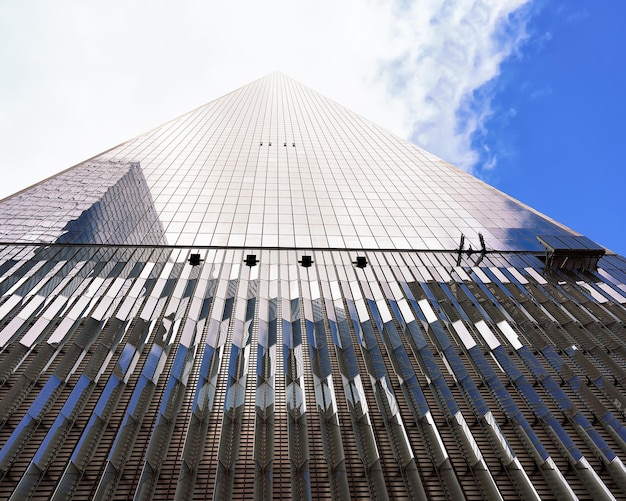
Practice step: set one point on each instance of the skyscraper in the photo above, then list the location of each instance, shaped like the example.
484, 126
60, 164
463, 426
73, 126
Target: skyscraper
272, 298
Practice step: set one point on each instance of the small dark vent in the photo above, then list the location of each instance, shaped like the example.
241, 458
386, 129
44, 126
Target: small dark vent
194, 259
251, 260
361, 262
306, 261
570, 252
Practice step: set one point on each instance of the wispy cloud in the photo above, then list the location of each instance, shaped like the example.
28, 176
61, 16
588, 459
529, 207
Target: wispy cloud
448, 53
79, 77
540, 93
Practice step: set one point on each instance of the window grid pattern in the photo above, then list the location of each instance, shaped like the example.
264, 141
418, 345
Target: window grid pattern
143, 356
272, 164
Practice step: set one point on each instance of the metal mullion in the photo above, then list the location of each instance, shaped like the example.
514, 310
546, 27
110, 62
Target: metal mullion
265, 407
171, 400
26, 271
323, 385
52, 388
294, 382
166, 307
110, 337
438, 384
236, 383
556, 432
370, 294
40, 299
431, 321
353, 388
112, 393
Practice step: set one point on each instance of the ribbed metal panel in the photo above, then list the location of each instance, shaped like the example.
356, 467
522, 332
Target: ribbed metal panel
152, 378
162, 335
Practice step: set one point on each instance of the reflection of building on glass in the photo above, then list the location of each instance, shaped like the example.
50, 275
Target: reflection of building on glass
99, 201
272, 298
124, 214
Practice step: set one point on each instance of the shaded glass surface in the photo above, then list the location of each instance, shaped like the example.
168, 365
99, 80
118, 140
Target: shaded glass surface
271, 164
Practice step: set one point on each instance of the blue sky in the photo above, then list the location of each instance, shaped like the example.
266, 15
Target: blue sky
559, 119
527, 94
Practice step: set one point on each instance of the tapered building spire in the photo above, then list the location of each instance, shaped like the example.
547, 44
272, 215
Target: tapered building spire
275, 164
272, 298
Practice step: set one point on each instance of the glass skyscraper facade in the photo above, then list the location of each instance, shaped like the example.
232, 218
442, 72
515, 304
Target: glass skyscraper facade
272, 298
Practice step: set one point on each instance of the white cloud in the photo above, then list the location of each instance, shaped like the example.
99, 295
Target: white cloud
80, 77
446, 52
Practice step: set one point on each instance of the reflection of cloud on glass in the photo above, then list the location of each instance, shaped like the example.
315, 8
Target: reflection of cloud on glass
526, 225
